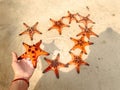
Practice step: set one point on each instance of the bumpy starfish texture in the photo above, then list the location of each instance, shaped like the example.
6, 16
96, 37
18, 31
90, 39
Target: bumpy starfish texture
71, 17
77, 61
54, 65
81, 44
33, 52
58, 25
87, 32
30, 30
85, 20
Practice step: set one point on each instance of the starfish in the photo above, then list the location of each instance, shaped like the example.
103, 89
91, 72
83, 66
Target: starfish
85, 20
58, 25
30, 30
81, 44
71, 17
87, 32
54, 65
77, 61
32, 52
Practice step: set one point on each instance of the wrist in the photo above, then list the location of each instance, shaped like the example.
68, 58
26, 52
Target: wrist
19, 76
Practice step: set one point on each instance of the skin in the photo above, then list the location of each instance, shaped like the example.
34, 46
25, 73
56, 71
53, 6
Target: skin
22, 69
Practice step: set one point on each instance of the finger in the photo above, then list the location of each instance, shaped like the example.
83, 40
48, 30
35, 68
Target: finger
14, 57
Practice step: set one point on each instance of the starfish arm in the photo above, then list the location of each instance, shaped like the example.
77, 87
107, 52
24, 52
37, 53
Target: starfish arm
34, 26
31, 36
47, 69
42, 52
78, 69
74, 40
60, 31
81, 33
26, 45
65, 25
25, 32
38, 43
82, 28
58, 57
90, 43
62, 65
36, 31
53, 27
65, 17
26, 25
75, 47
83, 50
72, 55
53, 21
88, 35
34, 62
85, 63
92, 33
47, 60
22, 56
56, 73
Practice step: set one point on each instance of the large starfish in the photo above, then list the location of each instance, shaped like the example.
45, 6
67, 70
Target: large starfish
85, 20
71, 17
77, 61
54, 65
81, 44
87, 32
58, 25
32, 52
30, 30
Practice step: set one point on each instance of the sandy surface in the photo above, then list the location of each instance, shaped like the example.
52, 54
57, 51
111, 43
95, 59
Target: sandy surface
103, 57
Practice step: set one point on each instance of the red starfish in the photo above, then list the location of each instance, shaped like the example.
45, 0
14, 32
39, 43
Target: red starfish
30, 30
77, 61
54, 65
86, 20
81, 44
71, 17
58, 25
32, 52
87, 32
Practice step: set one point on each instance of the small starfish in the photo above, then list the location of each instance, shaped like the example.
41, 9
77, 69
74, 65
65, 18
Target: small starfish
58, 25
32, 52
81, 44
30, 30
87, 32
86, 20
77, 61
54, 65
71, 17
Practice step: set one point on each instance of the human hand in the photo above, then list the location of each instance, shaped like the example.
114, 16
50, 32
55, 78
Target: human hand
22, 68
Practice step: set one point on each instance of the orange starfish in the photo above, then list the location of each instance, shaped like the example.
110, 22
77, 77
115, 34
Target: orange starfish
32, 52
71, 17
81, 44
54, 65
58, 25
77, 61
30, 30
86, 20
87, 32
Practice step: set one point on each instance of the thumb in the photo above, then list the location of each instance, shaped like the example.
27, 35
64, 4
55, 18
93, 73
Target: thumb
14, 57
